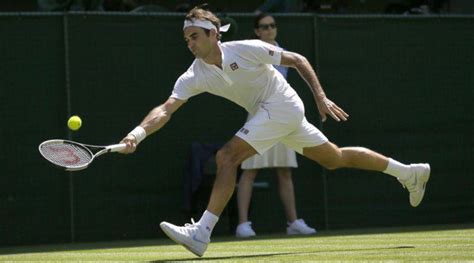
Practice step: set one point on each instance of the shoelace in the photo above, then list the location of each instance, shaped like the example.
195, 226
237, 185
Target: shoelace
188, 224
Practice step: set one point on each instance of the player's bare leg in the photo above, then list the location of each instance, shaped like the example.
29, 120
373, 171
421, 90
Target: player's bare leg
228, 159
196, 236
332, 157
413, 177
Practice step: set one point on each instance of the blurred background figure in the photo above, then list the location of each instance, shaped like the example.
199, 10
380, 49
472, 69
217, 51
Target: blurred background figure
279, 157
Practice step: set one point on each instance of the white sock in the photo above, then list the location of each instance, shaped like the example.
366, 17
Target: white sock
208, 221
397, 169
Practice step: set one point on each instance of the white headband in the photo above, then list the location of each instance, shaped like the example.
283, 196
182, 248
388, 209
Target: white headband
204, 24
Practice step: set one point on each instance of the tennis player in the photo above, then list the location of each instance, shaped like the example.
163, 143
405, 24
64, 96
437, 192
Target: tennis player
242, 72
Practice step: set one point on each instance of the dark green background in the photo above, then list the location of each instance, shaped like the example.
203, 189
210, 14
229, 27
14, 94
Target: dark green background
405, 81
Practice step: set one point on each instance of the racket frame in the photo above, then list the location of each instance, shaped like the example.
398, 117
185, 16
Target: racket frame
87, 147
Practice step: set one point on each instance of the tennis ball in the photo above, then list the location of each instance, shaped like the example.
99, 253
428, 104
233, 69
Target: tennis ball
74, 123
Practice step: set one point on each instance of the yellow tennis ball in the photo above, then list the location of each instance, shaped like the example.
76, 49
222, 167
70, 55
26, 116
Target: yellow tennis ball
74, 123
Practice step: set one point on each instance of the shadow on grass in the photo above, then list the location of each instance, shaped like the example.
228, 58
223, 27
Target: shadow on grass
352, 232
282, 254
165, 241
83, 246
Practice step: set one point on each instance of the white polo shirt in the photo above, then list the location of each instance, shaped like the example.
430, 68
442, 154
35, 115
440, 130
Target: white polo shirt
247, 76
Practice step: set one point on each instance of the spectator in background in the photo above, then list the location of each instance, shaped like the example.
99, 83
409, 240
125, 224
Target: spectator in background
279, 157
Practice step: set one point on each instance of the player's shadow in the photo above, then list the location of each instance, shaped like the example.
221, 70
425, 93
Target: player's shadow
284, 254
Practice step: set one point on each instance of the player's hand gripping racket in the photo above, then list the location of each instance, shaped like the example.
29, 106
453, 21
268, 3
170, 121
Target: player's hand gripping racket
74, 156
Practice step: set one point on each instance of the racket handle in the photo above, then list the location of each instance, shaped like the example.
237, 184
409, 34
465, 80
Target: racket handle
116, 147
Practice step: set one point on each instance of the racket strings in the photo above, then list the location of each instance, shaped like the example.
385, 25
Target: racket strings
66, 155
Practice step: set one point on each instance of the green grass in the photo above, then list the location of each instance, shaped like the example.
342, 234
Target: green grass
427, 243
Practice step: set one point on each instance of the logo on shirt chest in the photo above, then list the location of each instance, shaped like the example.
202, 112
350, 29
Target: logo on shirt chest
234, 66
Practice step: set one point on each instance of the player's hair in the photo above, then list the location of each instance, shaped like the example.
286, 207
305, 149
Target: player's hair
200, 12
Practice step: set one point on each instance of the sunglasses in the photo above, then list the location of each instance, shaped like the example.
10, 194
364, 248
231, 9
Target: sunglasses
267, 26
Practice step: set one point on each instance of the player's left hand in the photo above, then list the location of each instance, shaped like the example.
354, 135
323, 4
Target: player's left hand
326, 106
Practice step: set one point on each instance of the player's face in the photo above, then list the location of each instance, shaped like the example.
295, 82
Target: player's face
266, 30
199, 43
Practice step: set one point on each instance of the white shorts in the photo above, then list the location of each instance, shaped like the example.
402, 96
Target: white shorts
280, 121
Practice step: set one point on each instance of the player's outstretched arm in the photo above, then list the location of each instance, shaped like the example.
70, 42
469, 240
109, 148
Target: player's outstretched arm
155, 120
304, 68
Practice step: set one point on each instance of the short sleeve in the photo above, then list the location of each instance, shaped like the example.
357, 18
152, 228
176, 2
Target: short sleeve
262, 51
186, 86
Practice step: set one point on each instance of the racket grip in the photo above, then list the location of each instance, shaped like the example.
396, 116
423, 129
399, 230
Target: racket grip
117, 147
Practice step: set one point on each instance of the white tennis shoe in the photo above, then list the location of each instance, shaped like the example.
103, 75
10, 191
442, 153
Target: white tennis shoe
416, 183
191, 236
245, 230
299, 227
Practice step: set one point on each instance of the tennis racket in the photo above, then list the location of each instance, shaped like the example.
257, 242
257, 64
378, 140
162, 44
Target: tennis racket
74, 156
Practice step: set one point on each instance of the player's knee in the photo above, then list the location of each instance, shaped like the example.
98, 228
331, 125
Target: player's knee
332, 164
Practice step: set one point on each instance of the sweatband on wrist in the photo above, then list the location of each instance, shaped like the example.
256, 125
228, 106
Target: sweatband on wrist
139, 133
